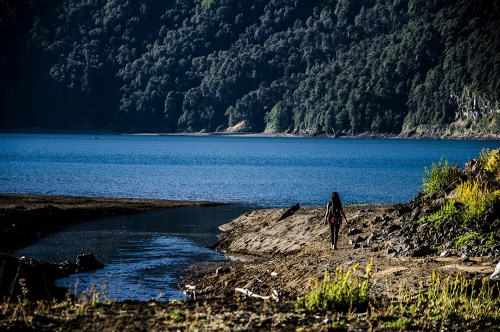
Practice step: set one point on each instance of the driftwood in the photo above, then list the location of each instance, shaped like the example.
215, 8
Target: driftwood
275, 294
250, 293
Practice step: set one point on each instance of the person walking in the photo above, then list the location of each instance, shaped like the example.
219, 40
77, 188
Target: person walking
333, 216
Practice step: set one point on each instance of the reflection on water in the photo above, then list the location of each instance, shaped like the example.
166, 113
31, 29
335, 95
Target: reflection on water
144, 254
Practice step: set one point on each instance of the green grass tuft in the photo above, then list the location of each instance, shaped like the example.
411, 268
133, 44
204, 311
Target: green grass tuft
400, 323
343, 291
468, 239
436, 218
439, 176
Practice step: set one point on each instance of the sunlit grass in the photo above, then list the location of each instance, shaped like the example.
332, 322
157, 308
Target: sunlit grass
490, 160
475, 197
446, 302
438, 177
340, 291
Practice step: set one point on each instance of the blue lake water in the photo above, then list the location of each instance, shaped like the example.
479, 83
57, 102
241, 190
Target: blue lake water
146, 254
257, 172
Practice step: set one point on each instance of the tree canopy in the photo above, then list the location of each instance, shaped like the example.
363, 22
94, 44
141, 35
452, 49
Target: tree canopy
315, 66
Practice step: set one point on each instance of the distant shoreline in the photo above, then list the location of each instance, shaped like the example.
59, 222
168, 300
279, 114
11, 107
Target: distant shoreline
341, 135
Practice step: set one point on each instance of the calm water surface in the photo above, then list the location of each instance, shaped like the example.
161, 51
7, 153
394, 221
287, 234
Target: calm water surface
146, 254
257, 172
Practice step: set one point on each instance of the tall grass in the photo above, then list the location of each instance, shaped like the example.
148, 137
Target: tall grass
440, 175
476, 197
490, 160
448, 302
340, 291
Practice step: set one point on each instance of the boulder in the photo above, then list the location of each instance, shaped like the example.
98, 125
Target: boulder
445, 253
87, 262
421, 251
389, 251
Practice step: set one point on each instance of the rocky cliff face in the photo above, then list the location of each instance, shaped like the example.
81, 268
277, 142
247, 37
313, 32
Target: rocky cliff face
469, 105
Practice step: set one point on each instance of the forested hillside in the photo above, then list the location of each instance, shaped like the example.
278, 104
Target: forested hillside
308, 66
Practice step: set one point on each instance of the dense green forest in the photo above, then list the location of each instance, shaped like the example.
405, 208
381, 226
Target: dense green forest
301, 66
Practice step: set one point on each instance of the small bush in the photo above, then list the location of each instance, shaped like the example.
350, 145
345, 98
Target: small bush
344, 291
476, 197
440, 175
490, 160
468, 239
446, 211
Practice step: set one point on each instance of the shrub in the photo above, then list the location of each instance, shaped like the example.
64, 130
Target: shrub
344, 291
446, 211
468, 239
476, 197
441, 175
490, 160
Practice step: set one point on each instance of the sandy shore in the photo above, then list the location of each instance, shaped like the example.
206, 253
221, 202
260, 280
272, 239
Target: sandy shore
272, 257
369, 135
287, 255
23, 218
284, 254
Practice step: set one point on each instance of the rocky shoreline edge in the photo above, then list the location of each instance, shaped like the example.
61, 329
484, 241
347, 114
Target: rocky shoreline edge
275, 255
430, 135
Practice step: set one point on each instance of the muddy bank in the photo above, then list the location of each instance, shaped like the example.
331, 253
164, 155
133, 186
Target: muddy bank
23, 218
282, 257
35, 280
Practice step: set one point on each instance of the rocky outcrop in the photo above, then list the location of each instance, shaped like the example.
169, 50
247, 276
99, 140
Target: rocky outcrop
412, 233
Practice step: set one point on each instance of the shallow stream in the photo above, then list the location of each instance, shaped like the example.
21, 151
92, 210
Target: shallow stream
145, 255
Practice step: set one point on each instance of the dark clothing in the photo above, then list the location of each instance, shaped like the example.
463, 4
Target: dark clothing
333, 211
334, 218
334, 232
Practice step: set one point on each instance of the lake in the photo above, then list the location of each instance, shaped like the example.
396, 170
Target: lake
252, 171
146, 254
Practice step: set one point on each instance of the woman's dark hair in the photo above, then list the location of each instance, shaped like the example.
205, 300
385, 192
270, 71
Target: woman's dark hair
336, 199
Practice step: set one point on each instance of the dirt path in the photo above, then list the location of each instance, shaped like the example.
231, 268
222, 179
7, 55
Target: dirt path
286, 255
